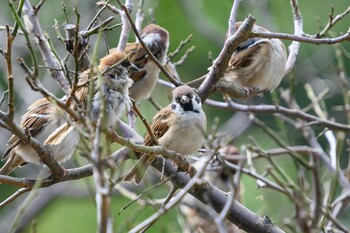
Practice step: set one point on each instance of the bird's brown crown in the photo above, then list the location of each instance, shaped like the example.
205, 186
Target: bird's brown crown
182, 90
112, 59
153, 28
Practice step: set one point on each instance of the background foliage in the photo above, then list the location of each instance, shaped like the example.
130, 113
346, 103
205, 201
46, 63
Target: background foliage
73, 209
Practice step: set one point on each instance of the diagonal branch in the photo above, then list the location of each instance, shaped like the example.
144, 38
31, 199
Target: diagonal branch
33, 26
221, 62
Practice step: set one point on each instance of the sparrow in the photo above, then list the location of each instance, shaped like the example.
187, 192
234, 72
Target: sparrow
179, 127
41, 119
112, 92
145, 79
47, 124
257, 65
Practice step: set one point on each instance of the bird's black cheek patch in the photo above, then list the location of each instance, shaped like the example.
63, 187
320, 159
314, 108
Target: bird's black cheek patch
173, 106
187, 107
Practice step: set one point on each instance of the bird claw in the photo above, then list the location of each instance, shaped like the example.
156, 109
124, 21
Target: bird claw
253, 91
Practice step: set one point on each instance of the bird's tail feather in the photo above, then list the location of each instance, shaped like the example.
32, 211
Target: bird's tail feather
138, 170
11, 164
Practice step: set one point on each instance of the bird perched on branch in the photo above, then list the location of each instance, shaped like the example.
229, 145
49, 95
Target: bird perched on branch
145, 79
257, 65
47, 124
179, 127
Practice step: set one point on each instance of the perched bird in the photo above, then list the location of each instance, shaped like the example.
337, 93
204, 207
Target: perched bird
179, 127
257, 65
145, 79
47, 124
41, 119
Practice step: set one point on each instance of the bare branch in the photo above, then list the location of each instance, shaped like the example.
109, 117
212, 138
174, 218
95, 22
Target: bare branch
14, 196
232, 19
8, 58
280, 110
332, 21
220, 64
304, 39
298, 31
33, 26
149, 53
123, 39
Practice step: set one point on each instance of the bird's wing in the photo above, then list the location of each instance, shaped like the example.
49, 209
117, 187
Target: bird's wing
160, 125
33, 120
61, 132
244, 57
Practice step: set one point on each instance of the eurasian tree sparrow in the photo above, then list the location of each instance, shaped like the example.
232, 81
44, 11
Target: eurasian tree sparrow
145, 79
48, 125
257, 65
179, 127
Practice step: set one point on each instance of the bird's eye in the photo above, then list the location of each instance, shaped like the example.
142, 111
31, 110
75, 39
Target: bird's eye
224, 176
111, 76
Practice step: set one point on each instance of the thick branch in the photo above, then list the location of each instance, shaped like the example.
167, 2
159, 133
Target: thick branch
206, 193
221, 62
298, 31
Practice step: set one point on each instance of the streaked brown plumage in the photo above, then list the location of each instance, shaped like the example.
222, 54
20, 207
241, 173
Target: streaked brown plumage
179, 126
257, 65
145, 79
47, 124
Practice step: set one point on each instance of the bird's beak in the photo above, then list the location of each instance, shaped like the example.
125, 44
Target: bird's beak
133, 67
184, 99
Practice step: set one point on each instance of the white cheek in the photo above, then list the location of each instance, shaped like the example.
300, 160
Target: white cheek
151, 38
177, 109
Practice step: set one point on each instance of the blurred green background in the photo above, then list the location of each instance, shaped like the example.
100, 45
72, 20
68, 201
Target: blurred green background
73, 209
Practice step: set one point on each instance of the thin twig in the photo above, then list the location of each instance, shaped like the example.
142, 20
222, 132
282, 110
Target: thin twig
179, 47
300, 38
11, 91
38, 6
144, 121
14, 196
185, 56
143, 193
149, 53
332, 21
279, 110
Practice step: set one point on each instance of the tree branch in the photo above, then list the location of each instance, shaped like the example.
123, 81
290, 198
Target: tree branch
33, 26
221, 62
